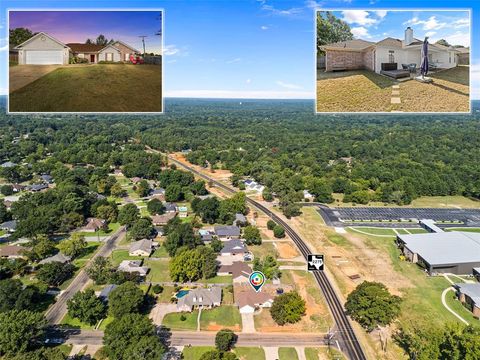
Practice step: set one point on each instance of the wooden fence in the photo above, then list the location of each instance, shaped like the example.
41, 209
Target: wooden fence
155, 60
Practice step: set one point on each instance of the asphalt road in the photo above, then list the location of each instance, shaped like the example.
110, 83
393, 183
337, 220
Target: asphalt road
57, 311
195, 338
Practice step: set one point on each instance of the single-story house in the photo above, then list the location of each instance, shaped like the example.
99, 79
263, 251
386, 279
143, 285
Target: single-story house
9, 226
105, 293
200, 298
58, 257
12, 252
455, 252
233, 248
43, 49
253, 186
158, 194
133, 266
240, 220
94, 225
182, 211
206, 235
142, 247
38, 187
163, 219
170, 207
46, 178
18, 187
118, 172
248, 300
136, 180
239, 270
227, 232
469, 295
386, 55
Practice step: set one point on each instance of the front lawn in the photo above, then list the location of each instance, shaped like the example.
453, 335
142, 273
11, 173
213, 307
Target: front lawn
119, 255
76, 323
250, 353
173, 321
109, 231
221, 317
159, 271
93, 88
289, 353
195, 352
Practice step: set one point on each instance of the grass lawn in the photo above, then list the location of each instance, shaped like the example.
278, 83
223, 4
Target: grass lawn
260, 251
372, 230
161, 252
166, 295
119, 255
221, 317
92, 247
2, 232
417, 231
158, 270
250, 353
111, 229
195, 352
105, 322
353, 91
97, 88
227, 279
173, 321
463, 229
74, 322
289, 353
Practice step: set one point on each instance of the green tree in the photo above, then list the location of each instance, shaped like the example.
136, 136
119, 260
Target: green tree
41, 247
74, 246
267, 194
125, 299
224, 340
132, 337
198, 188
278, 232
101, 40
331, 29
193, 264
252, 235
443, 42
141, 229
216, 245
4, 213
55, 273
128, 214
6, 190
19, 330
101, 270
371, 305
86, 307
268, 266
271, 224
117, 190
288, 308
19, 35
108, 213
174, 192
155, 207
208, 210
143, 188
13, 295
218, 355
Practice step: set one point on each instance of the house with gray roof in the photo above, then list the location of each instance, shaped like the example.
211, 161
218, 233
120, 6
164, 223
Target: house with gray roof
8, 164
454, 252
240, 220
37, 187
469, 295
227, 232
133, 266
105, 293
9, 226
170, 207
142, 247
200, 298
58, 257
239, 270
234, 247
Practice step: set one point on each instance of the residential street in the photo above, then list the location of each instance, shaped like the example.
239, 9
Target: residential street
57, 311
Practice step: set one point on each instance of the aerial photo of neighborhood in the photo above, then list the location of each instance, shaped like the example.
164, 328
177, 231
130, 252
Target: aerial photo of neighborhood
239, 224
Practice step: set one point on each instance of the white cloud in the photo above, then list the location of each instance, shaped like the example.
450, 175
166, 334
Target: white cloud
233, 61
312, 4
4, 48
281, 12
431, 24
173, 50
360, 17
360, 32
430, 33
461, 23
381, 13
458, 38
233, 94
288, 86
264, 27
248, 81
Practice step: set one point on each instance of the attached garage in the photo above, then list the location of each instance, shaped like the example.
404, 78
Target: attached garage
42, 49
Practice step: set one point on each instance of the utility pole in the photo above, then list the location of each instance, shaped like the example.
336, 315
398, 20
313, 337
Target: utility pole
143, 42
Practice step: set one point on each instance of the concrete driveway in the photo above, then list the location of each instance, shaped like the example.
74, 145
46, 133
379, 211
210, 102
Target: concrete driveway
160, 310
248, 323
22, 75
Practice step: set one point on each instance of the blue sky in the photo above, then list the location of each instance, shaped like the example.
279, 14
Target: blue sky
261, 48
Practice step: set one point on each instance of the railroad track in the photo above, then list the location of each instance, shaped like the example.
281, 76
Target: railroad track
346, 334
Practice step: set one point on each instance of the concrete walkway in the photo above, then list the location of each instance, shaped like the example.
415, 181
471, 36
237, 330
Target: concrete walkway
22, 75
271, 353
396, 94
198, 319
248, 324
444, 302
301, 352
293, 267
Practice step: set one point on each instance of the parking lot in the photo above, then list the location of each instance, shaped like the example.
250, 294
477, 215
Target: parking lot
397, 217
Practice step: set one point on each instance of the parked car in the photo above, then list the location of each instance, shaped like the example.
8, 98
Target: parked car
136, 59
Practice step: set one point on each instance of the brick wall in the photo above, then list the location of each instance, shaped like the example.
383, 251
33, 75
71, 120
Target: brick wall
368, 59
348, 60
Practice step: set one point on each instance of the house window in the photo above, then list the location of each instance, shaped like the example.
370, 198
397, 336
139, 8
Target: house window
109, 57
391, 56
450, 58
127, 57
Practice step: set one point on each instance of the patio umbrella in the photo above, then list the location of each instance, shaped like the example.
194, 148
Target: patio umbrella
424, 64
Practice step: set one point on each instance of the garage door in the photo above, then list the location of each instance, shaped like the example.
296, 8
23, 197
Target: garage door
44, 57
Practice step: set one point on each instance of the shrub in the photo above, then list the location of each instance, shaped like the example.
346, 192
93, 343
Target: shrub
278, 232
288, 308
225, 339
271, 224
183, 317
157, 289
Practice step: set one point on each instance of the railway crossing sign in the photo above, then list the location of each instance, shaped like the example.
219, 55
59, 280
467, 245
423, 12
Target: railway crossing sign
315, 262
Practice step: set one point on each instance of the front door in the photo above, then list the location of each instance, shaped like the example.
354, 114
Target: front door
92, 58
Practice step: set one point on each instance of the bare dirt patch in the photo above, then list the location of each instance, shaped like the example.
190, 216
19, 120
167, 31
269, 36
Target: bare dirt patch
286, 250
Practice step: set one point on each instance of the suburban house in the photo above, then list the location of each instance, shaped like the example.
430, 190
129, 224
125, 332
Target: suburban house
158, 194
163, 219
463, 55
170, 207
94, 224
12, 252
182, 211
8, 204
8, 164
206, 235
253, 186
9, 226
239, 270
248, 300
105, 293
18, 187
47, 179
227, 232
200, 298
142, 247
133, 266
386, 55
469, 295
135, 180
240, 220
38, 187
58, 257
43, 49
234, 247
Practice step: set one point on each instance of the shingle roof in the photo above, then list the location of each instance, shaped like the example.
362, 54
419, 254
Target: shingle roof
236, 246
250, 297
78, 47
94, 224
144, 244
106, 291
229, 230
58, 257
471, 290
11, 250
355, 44
9, 225
200, 296
133, 266
238, 268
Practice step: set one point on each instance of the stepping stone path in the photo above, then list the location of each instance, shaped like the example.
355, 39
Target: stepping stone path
395, 95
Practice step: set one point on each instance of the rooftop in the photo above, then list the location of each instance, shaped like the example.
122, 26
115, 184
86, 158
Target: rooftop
229, 230
445, 248
236, 246
471, 290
